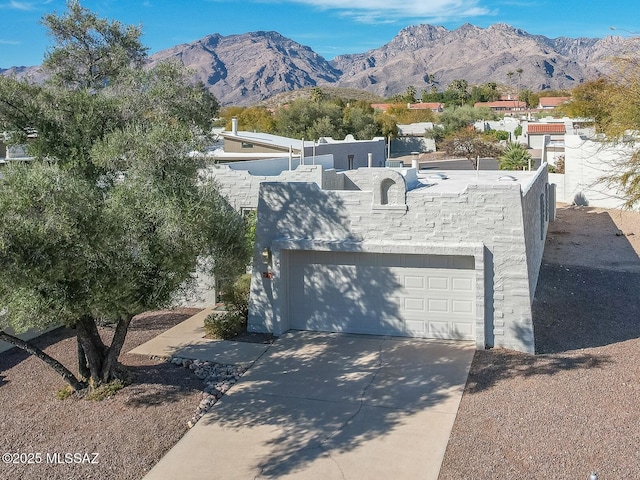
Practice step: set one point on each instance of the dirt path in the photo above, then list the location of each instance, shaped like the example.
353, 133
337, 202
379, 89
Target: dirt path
594, 238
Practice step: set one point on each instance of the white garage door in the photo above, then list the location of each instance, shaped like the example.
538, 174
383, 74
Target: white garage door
428, 296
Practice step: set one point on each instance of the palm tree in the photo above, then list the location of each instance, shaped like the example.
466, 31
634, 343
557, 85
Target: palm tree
514, 157
510, 74
519, 72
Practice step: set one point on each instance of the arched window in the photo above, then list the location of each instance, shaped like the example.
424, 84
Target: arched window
386, 191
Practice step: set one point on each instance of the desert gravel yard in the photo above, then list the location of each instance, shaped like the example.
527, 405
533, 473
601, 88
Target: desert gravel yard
130, 431
574, 408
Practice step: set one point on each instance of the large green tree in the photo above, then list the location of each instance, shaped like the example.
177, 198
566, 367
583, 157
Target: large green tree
470, 144
460, 88
111, 217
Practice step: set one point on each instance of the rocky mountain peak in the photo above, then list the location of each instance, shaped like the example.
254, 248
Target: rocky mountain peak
246, 68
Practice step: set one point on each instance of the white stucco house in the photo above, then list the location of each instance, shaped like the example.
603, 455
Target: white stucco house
348, 153
454, 255
411, 138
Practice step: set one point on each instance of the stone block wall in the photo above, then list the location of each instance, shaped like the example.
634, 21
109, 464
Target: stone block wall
488, 219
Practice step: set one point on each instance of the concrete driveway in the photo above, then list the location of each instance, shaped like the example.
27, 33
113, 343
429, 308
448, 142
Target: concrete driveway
325, 406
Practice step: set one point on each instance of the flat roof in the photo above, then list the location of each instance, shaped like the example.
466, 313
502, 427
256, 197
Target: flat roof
457, 181
286, 142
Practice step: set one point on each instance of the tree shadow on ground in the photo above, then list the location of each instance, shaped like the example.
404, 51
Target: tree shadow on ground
12, 357
317, 396
490, 367
152, 382
160, 384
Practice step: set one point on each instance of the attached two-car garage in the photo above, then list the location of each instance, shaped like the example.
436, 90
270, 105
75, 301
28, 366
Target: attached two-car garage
427, 296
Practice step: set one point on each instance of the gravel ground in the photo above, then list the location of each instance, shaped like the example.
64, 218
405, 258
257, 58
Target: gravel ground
130, 431
570, 410
573, 408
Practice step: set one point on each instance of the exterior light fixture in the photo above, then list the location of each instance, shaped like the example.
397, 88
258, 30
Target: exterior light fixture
266, 256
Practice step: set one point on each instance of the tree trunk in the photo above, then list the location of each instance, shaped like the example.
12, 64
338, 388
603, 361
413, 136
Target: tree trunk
111, 361
100, 363
52, 362
92, 346
83, 368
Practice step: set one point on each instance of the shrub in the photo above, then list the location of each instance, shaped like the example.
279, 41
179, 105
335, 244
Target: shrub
498, 135
64, 392
233, 321
106, 390
224, 325
236, 297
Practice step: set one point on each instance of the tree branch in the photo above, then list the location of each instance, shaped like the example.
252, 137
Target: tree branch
69, 377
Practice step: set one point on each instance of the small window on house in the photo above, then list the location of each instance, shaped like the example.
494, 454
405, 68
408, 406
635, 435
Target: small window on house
350, 160
247, 145
246, 211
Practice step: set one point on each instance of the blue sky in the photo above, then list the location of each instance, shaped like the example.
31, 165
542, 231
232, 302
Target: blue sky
330, 27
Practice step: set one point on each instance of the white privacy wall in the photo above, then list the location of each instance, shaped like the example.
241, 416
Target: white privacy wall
587, 164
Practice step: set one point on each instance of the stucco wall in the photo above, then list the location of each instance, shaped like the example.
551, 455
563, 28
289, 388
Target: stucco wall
485, 221
359, 150
408, 144
241, 188
536, 215
276, 166
586, 163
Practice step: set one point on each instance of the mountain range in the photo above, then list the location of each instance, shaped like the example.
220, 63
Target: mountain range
247, 68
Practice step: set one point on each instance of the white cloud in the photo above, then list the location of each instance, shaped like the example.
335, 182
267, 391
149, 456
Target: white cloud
384, 10
9, 42
15, 5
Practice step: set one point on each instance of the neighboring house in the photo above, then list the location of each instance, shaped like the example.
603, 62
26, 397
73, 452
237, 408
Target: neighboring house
503, 105
435, 107
536, 133
348, 153
587, 164
411, 139
453, 255
549, 103
506, 124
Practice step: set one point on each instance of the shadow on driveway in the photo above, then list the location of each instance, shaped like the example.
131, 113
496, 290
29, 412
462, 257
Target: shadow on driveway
332, 406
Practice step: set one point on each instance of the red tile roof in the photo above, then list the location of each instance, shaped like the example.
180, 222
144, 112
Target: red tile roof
502, 104
549, 102
381, 106
426, 106
546, 128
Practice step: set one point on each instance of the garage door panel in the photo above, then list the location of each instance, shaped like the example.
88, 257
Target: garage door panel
438, 283
462, 284
380, 294
439, 330
414, 282
461, 330
462, 306
414, 304
438, 305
